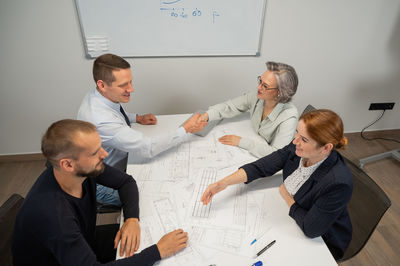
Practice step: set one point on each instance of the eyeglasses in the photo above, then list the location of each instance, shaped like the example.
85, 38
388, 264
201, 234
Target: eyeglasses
263, 85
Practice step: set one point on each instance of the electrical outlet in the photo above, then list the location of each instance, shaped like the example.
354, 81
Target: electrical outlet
381, 106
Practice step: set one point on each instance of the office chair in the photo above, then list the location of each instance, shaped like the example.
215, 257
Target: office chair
308, 109
106, 208
8, 214
367, 206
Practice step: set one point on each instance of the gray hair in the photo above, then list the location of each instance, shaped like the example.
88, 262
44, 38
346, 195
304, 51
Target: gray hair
287, 80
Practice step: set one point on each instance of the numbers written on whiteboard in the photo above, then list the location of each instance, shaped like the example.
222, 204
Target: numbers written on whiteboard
178, 13
195, 13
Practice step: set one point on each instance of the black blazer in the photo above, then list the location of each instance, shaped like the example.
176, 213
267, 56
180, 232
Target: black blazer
320, 203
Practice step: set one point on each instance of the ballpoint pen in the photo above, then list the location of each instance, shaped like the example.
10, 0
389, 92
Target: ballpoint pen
259, 236
258, 263
265, 248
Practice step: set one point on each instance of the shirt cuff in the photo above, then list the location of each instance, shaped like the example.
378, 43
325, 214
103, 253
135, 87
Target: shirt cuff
296, 212
246, 143
292, 209
150, 255
132, 117
181, 131
213, 115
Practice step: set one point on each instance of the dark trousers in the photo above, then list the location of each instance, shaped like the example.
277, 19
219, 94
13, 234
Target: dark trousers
104, 246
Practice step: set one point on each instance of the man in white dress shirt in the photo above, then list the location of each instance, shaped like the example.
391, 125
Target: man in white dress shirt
101, 107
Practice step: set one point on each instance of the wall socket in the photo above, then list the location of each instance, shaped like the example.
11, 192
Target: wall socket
381, 106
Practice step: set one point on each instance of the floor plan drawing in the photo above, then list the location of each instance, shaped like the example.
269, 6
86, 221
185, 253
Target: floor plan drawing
222, 225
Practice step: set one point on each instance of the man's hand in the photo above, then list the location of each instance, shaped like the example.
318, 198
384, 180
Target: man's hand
129, 234
286, 195
147, 119
172, 242
230, 140
194, 124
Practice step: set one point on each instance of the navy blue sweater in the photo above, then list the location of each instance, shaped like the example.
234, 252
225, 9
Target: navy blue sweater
55, 228
320, 203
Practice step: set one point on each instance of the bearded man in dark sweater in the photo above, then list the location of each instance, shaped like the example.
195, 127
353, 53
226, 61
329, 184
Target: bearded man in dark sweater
56, 224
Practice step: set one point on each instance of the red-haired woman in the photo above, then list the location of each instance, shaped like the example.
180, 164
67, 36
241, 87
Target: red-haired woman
317, 185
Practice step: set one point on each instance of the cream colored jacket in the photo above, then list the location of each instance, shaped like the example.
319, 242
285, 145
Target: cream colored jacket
277, 128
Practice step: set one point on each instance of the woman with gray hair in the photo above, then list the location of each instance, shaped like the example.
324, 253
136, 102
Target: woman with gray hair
272, 115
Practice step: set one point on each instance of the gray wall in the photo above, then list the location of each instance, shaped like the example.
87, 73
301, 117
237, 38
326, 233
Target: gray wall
346, 53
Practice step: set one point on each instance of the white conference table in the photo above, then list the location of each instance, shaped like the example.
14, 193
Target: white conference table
292, 247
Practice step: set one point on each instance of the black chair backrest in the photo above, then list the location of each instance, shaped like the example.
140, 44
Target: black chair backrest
8, 213
367, 206
308, 109
107, 208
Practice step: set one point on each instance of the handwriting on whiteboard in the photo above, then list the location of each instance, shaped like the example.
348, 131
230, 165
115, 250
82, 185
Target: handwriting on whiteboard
183, 11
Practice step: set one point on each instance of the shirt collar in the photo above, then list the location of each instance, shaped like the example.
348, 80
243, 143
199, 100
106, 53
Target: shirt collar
325, 166
311, 167
115, 106
276, 111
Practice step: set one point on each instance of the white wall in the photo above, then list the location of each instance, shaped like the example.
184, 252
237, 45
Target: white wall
346, 53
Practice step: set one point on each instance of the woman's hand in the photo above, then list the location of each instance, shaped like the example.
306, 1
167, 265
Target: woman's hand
230, 140
212, 190
194, 124
286, 195
204, 117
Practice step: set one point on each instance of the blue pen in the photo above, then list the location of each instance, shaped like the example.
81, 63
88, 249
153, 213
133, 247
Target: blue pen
255, 239
258, 263
259, 236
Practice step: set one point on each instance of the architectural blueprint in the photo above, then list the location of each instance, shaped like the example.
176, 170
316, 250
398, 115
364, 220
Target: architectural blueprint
171, 186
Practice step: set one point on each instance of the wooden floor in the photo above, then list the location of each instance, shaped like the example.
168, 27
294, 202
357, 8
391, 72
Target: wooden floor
383, 247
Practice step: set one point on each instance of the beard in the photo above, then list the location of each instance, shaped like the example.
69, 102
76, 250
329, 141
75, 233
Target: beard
92, 173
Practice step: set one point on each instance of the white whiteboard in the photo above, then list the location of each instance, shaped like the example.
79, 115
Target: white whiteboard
141, 28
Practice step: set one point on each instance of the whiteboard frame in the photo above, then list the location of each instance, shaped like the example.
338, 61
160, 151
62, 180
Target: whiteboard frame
91, 55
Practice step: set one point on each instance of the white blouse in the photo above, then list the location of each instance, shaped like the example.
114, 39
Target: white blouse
300, 176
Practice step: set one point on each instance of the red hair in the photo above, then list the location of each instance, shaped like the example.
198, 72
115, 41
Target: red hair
325, 126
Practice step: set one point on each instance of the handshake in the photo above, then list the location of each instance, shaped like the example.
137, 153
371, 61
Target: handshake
196, 123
